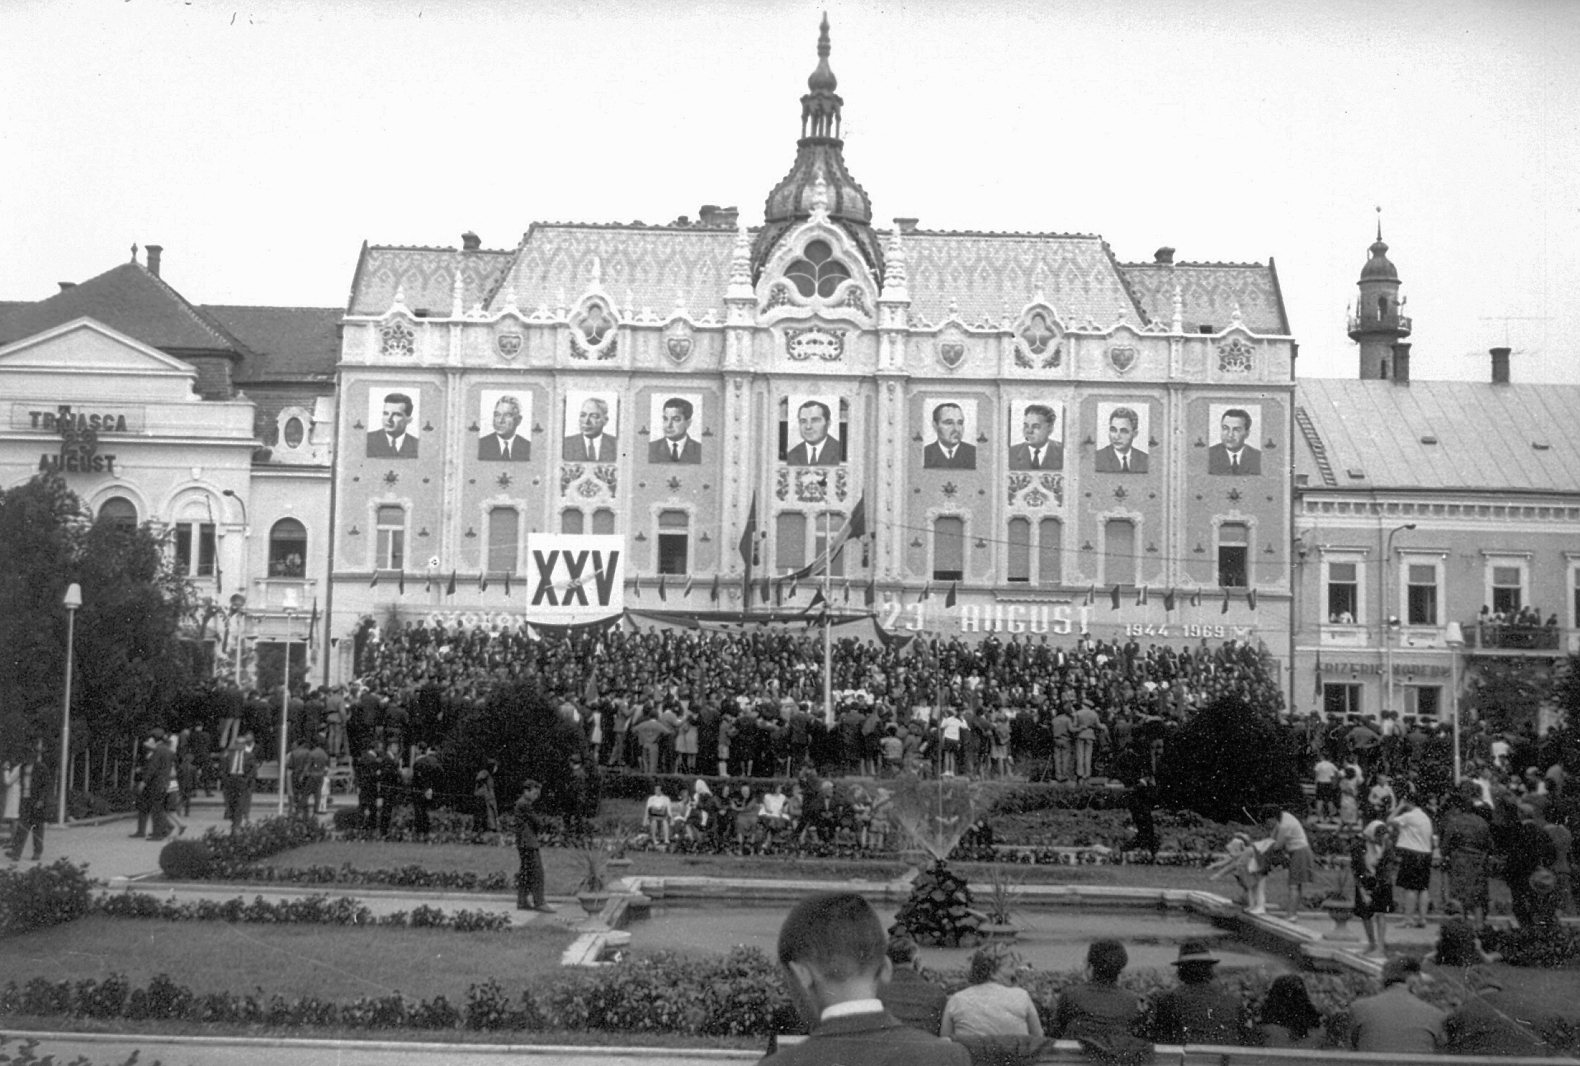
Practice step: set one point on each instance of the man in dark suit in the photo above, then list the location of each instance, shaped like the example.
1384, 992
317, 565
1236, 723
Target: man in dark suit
1122, 456
505, 444
676, 445
1039, 451
949, 451
391, 440
591, 444
817, 448
1234, 455
241, 769
832, 949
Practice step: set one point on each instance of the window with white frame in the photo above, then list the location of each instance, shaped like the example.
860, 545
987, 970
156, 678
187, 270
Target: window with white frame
195, 548
504, 532
1422, 603
1234, 551
288, 549
1017, 556
674, 542
119, 512
1344, 592
949, 548
1506, 585
1423, 701
390, 526
1341, 699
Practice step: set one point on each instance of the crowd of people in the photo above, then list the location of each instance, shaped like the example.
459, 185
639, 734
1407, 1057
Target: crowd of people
858, 989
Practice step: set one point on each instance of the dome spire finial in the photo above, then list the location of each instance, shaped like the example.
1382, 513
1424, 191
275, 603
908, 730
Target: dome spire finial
1379, 222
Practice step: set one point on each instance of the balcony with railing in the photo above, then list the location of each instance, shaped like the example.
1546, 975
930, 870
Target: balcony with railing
1500, 638
1361, 323
280, 594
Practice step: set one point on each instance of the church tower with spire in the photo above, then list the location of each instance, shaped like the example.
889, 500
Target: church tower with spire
819, 154
1377, 323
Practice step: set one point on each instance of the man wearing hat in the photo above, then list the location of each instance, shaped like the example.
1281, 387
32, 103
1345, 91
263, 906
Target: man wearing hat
1395, 1020
1198, 1011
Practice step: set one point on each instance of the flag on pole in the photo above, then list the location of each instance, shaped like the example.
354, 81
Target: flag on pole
375, 582
1168, 600
449, 590
795, 586
927, 592
636, 589
1250, 599
690, 580
312, 622
1113, 597
662, 593
1226, 597
817, 598
748, 550
403, 581
1141, 596
427, 583
847, 590
482, 581
767, 589
507, 582
714, 595
1091, 596
870, 597
949, 599
855, 527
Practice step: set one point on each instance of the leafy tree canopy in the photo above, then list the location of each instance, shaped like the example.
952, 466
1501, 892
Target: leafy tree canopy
1230, 758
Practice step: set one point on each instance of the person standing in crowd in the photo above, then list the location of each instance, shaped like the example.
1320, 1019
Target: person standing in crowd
992, 1005
426, 777
1466, 845
659, 811
34, 796
391, 785
1529, 850
158, 777
833, 952
1063, 728
367, 769
1086, 725
241, 770
529, 878
485, 810
1291, 844
909, 996
1289, 1019
1098, 1012
1326, 774
296, 773
1395, 1021
1372, 865
1198, 1011
1413, 828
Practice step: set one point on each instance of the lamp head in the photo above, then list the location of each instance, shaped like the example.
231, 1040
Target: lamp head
73, 597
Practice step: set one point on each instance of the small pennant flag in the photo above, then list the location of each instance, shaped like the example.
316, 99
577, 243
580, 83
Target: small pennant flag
312, 623
1091, 596
1195, 597
927, 592
482, 581
690, 580
449, 590
714, 594
427, 584
507, 582
1168, 600
1318, 692
403, 581
663, 593
375, 582
949, 598
767, 591
847, 590
817, 598
1141, 596
870, 596
1250, 599
1113, 597
636, 589
1226, 598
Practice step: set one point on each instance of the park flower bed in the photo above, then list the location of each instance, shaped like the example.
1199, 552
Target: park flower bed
310, 910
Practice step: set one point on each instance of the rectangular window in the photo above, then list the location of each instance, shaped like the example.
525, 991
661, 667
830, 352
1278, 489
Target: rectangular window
1018, 553
824, 526
674, 538
1421, 594
790, 541
1506, 582
603, 522
1119, 552
1050, 552
572, 520
1341, 700
195, 545
1234, 542
504, 527
1423, 701
1343, 593
949, 548
391, 538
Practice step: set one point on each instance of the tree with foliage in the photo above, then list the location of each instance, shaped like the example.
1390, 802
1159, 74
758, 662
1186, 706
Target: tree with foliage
1229, 758
131, 664
522, 727
1505, 692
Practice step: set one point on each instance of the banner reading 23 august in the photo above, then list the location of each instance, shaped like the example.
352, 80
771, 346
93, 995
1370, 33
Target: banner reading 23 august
574, 578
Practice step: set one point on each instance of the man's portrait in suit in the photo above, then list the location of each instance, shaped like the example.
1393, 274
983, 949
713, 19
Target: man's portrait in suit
592, 437
1042, 446
813, 420
392, 413
502, 416
1126, 431
949, 449
1233, 454
675, 414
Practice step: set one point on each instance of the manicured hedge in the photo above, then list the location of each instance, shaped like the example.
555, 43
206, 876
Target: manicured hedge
41, 896
310, 910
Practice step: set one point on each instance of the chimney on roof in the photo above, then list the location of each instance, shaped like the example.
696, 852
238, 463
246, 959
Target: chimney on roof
154, 252
1401, 363
729, 217
708, 214
1500, 366
64, 285
470, 242
906, 226
1164, 256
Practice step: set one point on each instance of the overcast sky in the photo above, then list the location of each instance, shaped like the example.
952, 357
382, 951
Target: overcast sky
261, 142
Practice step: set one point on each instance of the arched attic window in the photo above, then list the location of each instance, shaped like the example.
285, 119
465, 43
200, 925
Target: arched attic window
288, 549
817, 272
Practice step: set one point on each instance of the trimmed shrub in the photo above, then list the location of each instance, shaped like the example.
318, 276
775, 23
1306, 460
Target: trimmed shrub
43, 896
185, 860
939, 909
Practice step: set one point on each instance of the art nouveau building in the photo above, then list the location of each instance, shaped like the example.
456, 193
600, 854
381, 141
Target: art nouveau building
1036, 427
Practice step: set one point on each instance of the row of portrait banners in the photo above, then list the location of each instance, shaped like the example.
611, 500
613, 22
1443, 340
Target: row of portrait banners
593, 427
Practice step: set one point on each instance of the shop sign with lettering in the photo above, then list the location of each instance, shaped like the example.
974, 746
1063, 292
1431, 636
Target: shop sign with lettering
79, 440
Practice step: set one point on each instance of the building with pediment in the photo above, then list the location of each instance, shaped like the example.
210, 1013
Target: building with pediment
1039, 431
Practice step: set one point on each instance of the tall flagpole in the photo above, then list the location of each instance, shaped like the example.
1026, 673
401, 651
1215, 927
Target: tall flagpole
828, 642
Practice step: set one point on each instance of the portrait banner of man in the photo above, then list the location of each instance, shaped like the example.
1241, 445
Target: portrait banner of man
504, 417
954, 425
393, 420
1127, 428
1039, 428
1233, 426
813, 428
591, 427
676, 418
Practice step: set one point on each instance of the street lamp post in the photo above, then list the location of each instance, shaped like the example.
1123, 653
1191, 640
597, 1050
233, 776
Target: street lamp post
1454, 637
1390, 622
285, 703
72, 600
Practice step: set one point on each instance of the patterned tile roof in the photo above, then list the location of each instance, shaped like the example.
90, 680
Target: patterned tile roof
1494, 438
654, 265
987, 274
1210, 292
282, 342
426, 277
130, 299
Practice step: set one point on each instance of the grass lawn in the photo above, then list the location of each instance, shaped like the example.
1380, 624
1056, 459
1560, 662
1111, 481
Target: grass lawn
331, 962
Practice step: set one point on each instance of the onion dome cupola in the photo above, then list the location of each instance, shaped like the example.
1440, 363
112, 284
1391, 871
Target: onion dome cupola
819, 152
1378, 323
